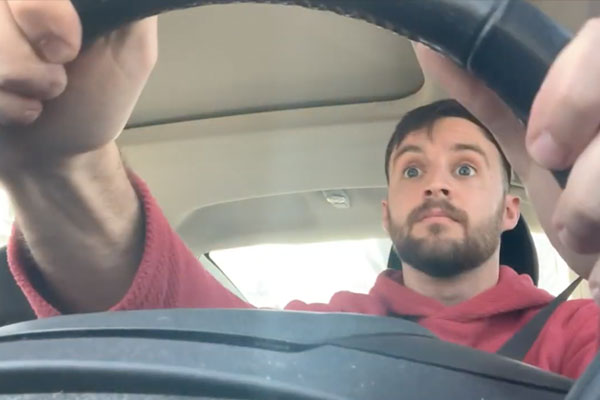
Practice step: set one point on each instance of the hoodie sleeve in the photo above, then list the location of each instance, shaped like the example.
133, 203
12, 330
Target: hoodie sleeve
343, 301
582, 337
570, 339
169, 275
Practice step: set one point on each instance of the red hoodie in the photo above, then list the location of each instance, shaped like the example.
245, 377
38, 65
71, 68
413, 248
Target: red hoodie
169, 276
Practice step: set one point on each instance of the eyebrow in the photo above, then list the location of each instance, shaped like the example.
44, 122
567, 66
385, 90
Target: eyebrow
407, 149
457, 147
471, 147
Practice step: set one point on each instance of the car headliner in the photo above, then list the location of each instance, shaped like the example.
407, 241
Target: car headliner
254, 110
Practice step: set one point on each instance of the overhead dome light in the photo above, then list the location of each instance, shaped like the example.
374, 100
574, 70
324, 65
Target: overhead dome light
337, 198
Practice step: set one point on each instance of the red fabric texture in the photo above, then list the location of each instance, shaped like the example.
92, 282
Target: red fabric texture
169, 276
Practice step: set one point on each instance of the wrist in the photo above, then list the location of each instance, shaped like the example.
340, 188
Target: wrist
83, 223
90, 192
44, 171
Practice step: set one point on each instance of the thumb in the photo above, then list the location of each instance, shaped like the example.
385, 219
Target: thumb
457, 82
471, 92
480, 100
52, 28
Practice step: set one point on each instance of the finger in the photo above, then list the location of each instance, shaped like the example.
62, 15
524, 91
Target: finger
21, 70
446, 73
35, 80
52, 27
16, 110
480, 101
577, 215
594, 282
565, 115
140, 37
460, 85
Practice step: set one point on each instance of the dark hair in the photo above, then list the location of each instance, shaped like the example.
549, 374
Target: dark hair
426, 116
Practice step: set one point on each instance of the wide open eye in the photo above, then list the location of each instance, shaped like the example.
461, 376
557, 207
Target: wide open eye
465, 170
412, 172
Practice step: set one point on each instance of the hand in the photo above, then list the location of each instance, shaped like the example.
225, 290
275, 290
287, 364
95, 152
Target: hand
481, 102
56, 101
563, 132
569, 100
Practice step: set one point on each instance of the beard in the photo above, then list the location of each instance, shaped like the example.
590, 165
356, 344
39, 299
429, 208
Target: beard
442, 257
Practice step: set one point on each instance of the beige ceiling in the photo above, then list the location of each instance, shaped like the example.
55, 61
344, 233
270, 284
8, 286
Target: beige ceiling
242, 58
253, 110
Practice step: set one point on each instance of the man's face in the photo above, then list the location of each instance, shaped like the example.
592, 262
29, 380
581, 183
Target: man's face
447, 206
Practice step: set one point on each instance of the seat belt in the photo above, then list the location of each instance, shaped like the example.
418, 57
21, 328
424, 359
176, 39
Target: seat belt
14, 306
519, 344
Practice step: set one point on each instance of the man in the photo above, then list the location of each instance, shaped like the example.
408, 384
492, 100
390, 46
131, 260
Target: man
111, 248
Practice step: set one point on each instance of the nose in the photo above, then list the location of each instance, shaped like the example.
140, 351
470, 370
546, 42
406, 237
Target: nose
437, 187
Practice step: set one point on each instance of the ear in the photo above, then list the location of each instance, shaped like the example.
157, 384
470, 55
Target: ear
385, 216
512, 212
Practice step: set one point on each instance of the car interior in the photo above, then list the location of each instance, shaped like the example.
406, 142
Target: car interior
262, 134
266, 150
295, 121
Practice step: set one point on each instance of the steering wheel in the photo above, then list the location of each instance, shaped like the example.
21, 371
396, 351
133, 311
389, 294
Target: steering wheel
509, 44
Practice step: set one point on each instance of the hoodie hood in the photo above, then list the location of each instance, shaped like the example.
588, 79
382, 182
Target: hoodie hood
513, 292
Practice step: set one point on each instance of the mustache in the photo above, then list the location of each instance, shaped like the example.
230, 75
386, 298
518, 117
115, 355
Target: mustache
451, 211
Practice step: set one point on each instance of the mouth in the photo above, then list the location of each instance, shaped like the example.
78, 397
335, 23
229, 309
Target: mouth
435, 215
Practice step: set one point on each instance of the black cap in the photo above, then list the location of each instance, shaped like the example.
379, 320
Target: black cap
517, 250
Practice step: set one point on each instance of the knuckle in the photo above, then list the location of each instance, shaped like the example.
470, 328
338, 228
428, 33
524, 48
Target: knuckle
40, 20
592, 24
572, 99
11, 78
139, 56
148, 47
34, 12
151, 57
43, 82
147, 51
29, 13
23, 8
56, 82
143, 36
18, 111
584, 214
581, 107
26, 116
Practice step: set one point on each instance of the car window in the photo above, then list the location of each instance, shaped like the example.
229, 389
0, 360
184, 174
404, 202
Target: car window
271, 275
